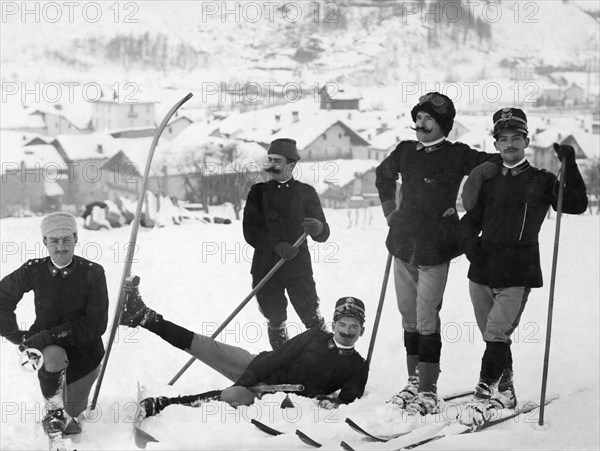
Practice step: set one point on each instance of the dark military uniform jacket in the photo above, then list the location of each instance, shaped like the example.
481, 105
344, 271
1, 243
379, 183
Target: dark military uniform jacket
274, 212
509, 213
431, 178
75, 295
313, 360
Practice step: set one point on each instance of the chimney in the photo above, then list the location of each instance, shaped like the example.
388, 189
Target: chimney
99, 148
278, 118
295, 116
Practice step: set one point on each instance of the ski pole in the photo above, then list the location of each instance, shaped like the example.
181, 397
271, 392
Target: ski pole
277, 387
386, 276
131, 247
551, 296
260, 284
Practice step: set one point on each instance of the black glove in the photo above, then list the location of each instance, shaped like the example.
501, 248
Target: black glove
312, 226
474, 252
286, 250
16, 337
389, 208
565, 153
39, 341
470, 192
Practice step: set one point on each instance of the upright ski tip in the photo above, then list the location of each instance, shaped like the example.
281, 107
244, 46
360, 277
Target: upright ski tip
141, 437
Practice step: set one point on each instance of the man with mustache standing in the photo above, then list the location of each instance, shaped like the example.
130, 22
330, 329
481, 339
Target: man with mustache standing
423, 237
276, 214
508, 211
71, 314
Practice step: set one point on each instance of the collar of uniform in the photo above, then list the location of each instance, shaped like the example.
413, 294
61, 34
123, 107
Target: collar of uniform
342, 351
64, 272
431, 147
516, 170
284, 184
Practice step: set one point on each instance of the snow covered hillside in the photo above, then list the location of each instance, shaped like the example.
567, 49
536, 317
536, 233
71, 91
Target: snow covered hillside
196, 274
186, 43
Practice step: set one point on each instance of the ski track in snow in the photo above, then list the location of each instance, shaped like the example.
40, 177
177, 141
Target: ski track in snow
196, 274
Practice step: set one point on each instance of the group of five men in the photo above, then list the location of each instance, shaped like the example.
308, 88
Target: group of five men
506, 201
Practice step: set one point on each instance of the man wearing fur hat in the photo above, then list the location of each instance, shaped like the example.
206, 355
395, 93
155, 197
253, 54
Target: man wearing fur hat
423, 237
71, 313
321, 361
276, 214
499, 235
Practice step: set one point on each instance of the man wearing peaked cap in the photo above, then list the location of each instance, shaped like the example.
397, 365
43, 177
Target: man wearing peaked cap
423, 237
499, 235
276, 214
71, 305
510, 118
323, 362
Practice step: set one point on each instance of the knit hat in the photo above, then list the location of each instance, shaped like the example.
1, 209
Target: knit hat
349, 306
440, 107
510, 118
285, 147
59, 224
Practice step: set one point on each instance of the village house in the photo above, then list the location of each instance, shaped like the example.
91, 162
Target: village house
336, 97
117, 114
32, 171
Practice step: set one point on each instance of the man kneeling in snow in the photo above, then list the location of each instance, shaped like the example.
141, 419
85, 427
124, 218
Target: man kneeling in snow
320, 361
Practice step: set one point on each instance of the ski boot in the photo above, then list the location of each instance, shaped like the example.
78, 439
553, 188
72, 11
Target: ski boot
407, 394
135, 312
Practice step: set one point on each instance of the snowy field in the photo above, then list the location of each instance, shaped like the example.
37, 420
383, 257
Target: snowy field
196, 274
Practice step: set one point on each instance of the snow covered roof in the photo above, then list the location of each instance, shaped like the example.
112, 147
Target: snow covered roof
305, 131
77, 113
43, 156
323, 174
13, 116
336, 91
589, 143
136, 150
87, 146
390, 138
547, 137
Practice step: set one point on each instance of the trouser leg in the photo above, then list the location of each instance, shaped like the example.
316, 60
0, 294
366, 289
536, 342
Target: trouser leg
303, 297
273, 305
77, 393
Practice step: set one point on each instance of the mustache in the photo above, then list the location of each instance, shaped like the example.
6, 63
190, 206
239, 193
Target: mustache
347, 335
421, 129
273, 170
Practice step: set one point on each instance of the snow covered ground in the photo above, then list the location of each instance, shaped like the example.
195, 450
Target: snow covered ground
196, 274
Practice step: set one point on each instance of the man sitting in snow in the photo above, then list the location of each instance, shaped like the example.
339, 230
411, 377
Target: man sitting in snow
320, 361
499, 235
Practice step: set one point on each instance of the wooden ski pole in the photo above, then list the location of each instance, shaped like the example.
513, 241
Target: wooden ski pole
131, 246
551, 296
386, 276
260, 284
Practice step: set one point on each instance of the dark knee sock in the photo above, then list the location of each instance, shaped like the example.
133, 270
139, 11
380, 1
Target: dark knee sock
170, 332
494, 361
411, 343
430, 348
